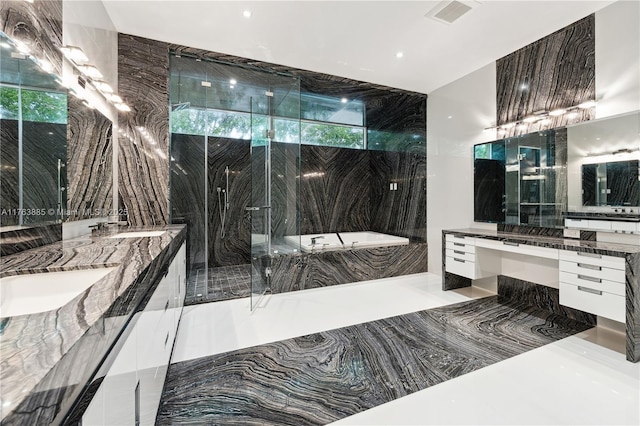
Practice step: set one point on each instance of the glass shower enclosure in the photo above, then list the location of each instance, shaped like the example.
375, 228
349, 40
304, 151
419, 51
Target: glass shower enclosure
235, 166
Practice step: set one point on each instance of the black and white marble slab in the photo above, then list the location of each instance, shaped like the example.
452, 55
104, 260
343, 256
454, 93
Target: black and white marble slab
89, 162
323, 377
47, 358
37, 24
557, 71
300, 271
143, 139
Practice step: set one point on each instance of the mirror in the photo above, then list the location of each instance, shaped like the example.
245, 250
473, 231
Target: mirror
520, 180
33, 149
603, 159
610, 184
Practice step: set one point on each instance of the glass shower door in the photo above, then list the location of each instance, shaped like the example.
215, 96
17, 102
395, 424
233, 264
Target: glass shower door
260, 208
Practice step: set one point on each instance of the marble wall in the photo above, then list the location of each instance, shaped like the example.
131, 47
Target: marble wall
557, 71
90, 165
37, 24
143, 160
335, 190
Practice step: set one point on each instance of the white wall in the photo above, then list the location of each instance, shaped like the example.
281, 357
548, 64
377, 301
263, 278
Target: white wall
471, 104
618, 59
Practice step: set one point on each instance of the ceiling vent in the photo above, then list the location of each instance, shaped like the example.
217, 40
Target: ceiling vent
449, 11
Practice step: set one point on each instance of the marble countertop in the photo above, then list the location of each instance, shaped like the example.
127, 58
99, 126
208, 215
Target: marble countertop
46, 356
605, 248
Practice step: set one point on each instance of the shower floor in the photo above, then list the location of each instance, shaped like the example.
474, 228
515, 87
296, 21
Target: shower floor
223, 283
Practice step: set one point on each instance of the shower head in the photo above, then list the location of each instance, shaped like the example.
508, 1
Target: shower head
180, 106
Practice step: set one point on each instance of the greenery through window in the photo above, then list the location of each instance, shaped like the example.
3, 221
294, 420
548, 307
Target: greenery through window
347, 132
39, 106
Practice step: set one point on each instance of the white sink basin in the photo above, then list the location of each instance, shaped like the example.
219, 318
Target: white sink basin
45, 291
138, 234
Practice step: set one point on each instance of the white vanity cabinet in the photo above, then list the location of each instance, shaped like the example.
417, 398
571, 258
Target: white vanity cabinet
131, 390
593, 283
460, 256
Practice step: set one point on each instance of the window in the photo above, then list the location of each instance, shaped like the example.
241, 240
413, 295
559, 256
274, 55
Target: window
336, 124
37, 105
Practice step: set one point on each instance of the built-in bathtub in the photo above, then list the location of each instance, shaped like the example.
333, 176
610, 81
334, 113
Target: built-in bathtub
350, 240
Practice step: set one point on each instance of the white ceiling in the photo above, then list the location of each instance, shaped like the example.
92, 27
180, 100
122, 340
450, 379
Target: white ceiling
354, 39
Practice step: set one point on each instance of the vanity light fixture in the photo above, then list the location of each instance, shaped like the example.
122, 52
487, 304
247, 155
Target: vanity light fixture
75, 54
123, 107
103, 86
90, 71
587, 104
542, 117
557, 112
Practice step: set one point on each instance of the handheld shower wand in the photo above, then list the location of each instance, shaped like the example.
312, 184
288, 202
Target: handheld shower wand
223, 207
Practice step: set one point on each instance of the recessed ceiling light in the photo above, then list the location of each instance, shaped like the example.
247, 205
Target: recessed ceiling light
103, 86
524, 86
246, 14
344, 100
233, 82
123, 107
450, 116
116, 99
399, 55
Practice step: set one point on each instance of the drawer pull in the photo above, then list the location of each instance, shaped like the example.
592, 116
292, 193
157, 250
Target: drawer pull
458, 252
458, 244
166, 339
587, 266
509, 243
458, 260
458, 237
594, 255
166, 306
587, 278
590, 290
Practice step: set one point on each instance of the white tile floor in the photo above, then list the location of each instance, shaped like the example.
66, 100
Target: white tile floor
573, 381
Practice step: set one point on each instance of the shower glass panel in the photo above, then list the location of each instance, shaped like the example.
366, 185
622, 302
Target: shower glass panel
275, 189
235, 166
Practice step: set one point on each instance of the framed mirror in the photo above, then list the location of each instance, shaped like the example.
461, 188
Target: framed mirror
603, 161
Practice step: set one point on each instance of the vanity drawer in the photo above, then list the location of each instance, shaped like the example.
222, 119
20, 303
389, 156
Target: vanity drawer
511, 247
606, 305
460, 239
612, 287
459, 254
461, 267
576, 223
593, 259
592, 270
601, 225
460, 246
624, 226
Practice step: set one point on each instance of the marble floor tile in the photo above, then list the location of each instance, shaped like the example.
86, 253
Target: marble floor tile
582, 379
218, 284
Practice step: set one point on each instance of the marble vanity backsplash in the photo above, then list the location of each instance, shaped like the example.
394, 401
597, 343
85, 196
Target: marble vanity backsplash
48, 358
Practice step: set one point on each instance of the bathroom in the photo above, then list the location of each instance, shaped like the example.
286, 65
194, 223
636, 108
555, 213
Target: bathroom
214, 213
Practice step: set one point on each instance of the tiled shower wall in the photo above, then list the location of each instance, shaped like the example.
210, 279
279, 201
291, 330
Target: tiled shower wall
352, 195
